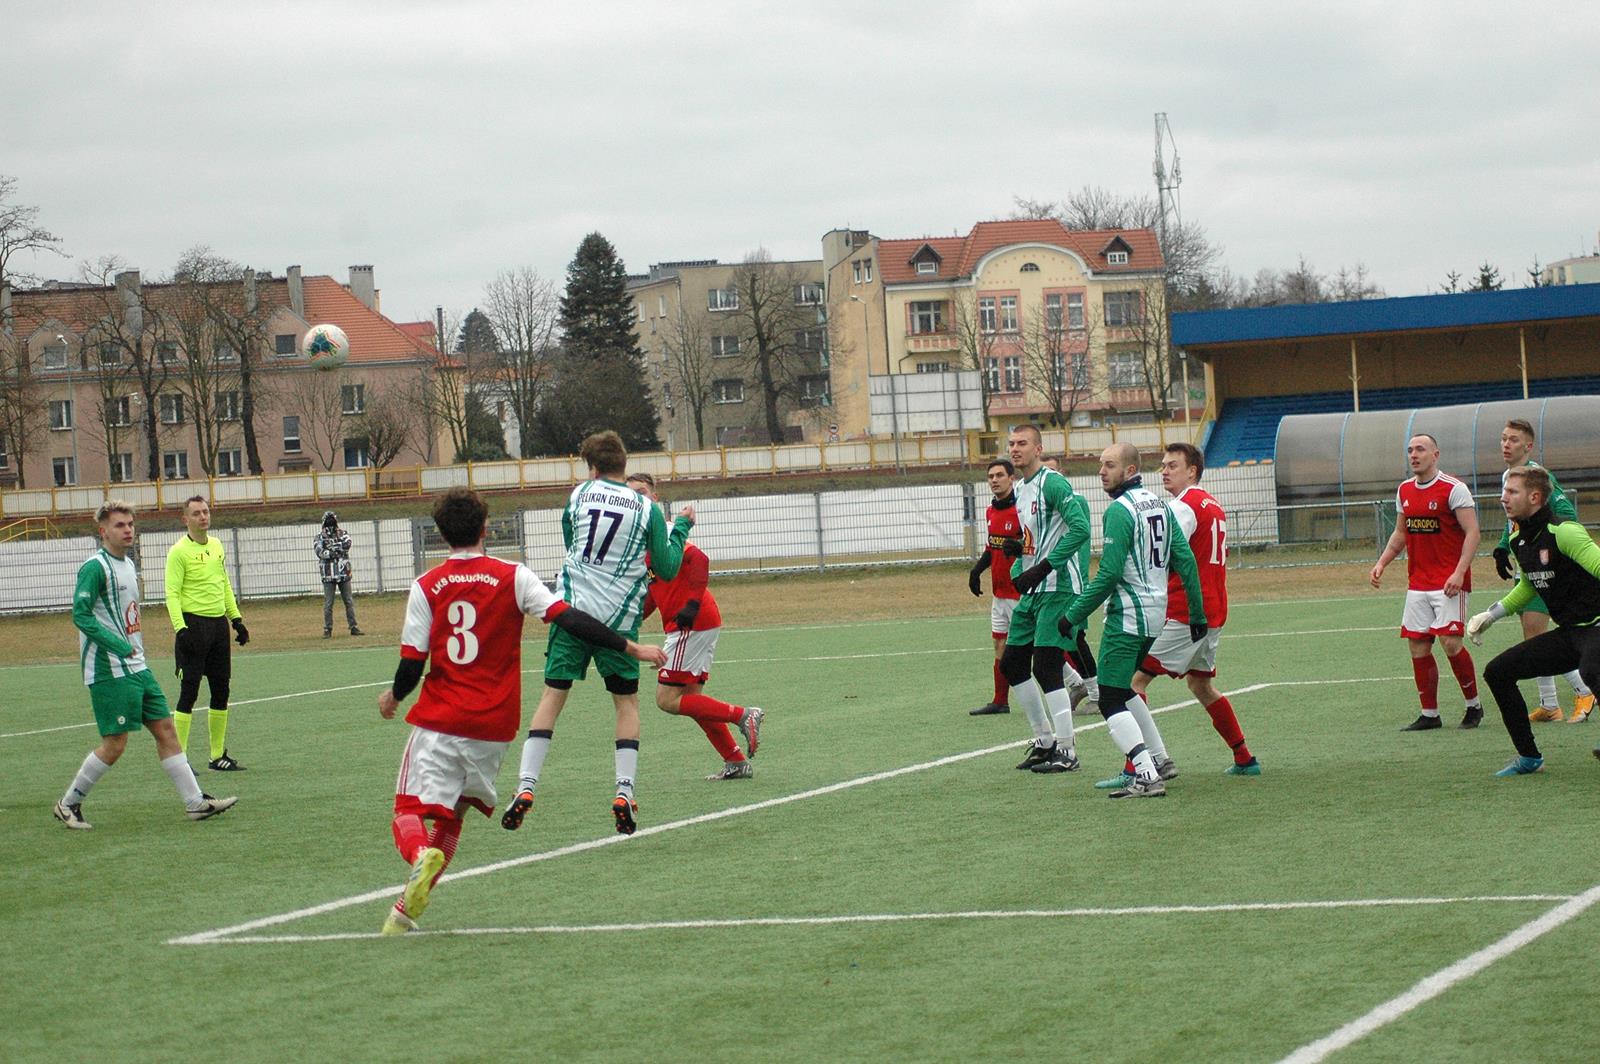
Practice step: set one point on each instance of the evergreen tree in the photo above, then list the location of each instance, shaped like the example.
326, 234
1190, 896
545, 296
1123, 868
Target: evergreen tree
601, 368
477, 335
1488, 279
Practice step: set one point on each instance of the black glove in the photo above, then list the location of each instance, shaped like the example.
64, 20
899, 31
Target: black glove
180, 649
1065, 627
1502, 564
685, 618
1029, 579
975, 582
241, 634
1011, 547
1198, 632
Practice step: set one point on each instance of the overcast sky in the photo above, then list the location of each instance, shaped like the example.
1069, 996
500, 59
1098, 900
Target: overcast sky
445, 141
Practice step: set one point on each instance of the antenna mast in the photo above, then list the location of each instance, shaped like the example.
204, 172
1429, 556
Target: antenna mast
1168, 178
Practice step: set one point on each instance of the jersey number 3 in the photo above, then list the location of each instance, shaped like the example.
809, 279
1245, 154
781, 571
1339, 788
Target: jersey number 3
462, 646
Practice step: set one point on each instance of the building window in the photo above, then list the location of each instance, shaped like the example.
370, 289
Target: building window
111, 354
807, 295
122, 468
727, 391
1058, 372
1080, 372
1008, 313
5, 454
60, 414
814, 389
1029, 267
933, 367
730, 435
1122, 308
855, 271
986, 318
228, 462
1052, 311
1116, 258
991, 373
227, 406
355, 453
65, 471
55, 356
1561, 275
352, 398
1075, 310
1126, 369
927, 266
121, 413
172, 409
722, 299
927, 316
283, 344
861, 271
291, 434
724, 346
661, 306
175, 465
222, 351
1013, 373
166, 352
808, 339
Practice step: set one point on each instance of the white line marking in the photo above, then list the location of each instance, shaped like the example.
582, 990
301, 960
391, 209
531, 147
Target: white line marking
1437, 983
1312, 631
611, 840
231, 705
896, 918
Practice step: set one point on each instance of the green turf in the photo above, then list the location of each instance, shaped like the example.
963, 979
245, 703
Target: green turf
1348, 808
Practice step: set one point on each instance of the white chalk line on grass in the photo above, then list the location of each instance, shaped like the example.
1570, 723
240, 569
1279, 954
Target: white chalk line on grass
1432, 986
204, 937
898, 918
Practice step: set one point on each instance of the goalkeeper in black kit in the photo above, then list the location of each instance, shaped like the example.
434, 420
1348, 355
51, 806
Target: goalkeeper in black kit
1561, 564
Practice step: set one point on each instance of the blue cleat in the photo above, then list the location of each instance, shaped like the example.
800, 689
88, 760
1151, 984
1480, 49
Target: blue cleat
1522, 766
1115, 783
1249, 768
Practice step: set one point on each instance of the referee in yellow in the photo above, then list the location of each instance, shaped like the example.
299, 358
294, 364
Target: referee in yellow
200, 602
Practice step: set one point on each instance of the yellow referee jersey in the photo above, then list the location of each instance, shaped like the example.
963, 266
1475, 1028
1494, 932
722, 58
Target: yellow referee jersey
197, 581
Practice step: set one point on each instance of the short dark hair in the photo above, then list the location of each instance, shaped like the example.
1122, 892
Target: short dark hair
195, 498
1003, 463
1028, 426
1533, 478
1191, 457
1524, 427
643, 478
460, 515
605, 453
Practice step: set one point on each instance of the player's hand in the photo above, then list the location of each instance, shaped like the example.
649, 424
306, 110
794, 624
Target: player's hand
1452, 586
685, 617
687, 511
1198, 632
652, 654
1011, 547
1029, 579
1476, 626
387, 704
1065, 626
241, 634
1377, 575
1502, 564
975, 582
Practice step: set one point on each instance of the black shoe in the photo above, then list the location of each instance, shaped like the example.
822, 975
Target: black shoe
1473, 718
989, 710
224, 764
511, 819
357, 631
327, 633
1424, 723
1037, 755
1060, 760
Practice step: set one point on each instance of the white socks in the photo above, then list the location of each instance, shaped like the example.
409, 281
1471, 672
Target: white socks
1125, 733
182, 776
1028, 695
1578, 686
533, 754
89, 774
627, 765
1147, 727
1059, 705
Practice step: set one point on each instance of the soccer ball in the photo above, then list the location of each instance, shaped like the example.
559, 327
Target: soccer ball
326, 347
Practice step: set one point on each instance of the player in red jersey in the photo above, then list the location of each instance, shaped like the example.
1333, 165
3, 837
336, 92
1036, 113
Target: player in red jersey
1174, 653
1004, 544
466, 615
690, 617
1436, 524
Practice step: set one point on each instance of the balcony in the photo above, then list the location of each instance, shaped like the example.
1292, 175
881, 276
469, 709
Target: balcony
917, 343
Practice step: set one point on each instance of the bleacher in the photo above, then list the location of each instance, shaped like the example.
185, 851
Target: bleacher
1247, 431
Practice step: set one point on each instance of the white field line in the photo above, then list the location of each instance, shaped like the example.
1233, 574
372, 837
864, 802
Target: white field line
1437, 983
203, 937
897, 918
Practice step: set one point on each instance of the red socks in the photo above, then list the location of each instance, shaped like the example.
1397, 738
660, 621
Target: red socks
706, 708
1227, 726
1002, 690
1426, 671
445, 835
722, 739
1466, 676
410, 835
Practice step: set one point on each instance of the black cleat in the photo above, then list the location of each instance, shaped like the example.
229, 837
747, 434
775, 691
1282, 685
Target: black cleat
1472, 718
511, 819
1059, 761
224, 764
1037, 755
989, 710
1424, 723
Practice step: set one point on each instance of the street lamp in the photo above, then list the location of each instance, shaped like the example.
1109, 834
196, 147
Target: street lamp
72, 398
1183, 360
894, 412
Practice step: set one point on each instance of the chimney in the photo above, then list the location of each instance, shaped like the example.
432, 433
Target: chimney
361, 286
297, 292
250, 291
5, 308
128, 287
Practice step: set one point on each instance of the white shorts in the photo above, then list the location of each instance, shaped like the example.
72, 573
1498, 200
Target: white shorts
689, 656
439, 771
1175, 654
1000, 611
1430, 613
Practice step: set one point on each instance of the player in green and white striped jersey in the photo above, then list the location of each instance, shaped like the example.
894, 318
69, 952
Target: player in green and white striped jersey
615, 537
124, 694
1143, 542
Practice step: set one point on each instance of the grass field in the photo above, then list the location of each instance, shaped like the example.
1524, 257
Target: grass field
886, 888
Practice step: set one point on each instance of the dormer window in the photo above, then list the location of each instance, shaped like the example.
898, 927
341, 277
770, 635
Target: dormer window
927, 266
1116, 252
1115, 258
926, 261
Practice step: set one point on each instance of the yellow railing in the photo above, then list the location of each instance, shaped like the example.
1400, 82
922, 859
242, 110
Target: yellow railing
29, 528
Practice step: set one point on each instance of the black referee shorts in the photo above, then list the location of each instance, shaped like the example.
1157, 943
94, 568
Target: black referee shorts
203, 651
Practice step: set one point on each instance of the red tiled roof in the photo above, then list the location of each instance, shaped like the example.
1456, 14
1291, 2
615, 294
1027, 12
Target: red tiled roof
373, 337
960, 255
76, 309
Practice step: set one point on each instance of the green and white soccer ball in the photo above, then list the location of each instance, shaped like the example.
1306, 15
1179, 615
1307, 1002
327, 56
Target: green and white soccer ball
326, 347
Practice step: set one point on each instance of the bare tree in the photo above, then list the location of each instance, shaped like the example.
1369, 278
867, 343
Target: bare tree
113, 424
229, 296
388, 426
20, 231
1151, 331
439, 392
975, 340
128, 328
207, 370
317, 396
22, 406
1353, 284
523, 309
687, 346
1188, 252
1053, 361
781, 337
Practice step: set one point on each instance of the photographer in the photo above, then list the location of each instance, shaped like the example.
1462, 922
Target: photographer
333, 558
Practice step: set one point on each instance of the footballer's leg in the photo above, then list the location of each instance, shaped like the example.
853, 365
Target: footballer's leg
625, 696
1534, 622
565, 661
1425, 670
1467, 677
1527, 659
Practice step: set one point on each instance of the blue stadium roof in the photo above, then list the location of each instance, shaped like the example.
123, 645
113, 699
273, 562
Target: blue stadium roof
1455, 310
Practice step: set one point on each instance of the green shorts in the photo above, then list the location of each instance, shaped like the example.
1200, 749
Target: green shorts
1120, 655
1537, 606
1034, 621
566, 657
126, 703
